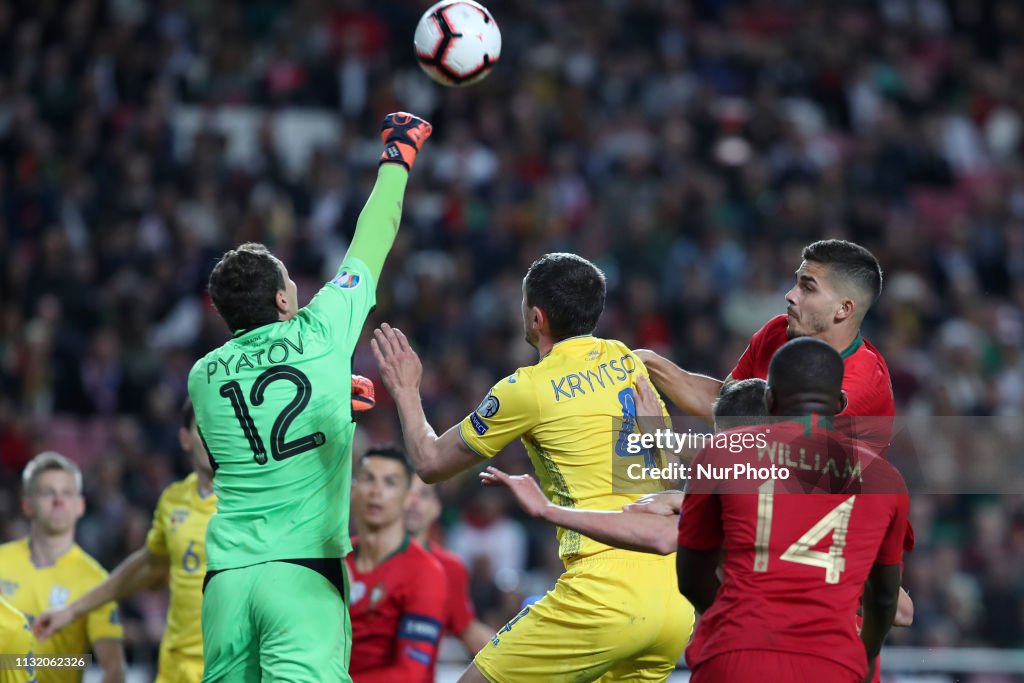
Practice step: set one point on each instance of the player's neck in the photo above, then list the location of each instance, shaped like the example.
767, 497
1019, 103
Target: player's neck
421, 538
840, 337
377, 545
204, 484
44, 550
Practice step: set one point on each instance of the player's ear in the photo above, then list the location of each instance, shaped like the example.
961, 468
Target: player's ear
844, 400
281, 301
769, 400
183, 439
846, 309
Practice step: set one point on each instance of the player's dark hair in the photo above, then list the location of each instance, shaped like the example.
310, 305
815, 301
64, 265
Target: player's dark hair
806, 364
850, 262
188, 414
243, 285
569, 289
740, 403
391, 452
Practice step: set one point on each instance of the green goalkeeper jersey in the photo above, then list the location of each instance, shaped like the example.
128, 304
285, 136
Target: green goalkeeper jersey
274, 409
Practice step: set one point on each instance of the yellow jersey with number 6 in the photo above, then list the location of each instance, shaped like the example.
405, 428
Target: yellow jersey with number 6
179, 533
573, 411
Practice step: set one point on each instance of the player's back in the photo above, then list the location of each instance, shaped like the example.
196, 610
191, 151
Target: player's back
796, 559
272, 408
572, 409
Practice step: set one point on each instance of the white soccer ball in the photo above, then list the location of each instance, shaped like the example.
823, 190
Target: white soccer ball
457, 42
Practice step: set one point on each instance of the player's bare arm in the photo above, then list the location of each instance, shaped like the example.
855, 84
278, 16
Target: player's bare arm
110, 656
881, 596
697, 571
435, 458
140, 570
692, 392
624, 530
475, 636
666, 503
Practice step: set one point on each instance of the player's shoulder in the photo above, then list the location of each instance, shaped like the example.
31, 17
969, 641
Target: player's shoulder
423, 560
449, 560
86, 566
178, 491
774, 331
866, 357
11, 550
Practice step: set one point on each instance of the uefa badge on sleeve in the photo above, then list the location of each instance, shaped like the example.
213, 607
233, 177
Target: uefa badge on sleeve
346, 279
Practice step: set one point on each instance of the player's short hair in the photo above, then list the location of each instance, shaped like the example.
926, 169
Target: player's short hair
243, 285
805, 364
46, 462
740, 403
849, 262
391, 452
188, 414
569, 289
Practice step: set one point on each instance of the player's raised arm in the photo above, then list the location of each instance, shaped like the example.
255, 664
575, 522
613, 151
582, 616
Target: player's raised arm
435, 458
626, 530
403, 135
693, 393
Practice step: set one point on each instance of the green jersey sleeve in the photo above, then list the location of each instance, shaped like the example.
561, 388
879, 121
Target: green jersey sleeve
341, 305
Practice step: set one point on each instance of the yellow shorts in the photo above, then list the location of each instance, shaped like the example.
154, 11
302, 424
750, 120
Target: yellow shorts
617, 616
178, 668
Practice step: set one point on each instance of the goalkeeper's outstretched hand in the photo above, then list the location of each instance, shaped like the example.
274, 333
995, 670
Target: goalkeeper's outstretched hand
403, 135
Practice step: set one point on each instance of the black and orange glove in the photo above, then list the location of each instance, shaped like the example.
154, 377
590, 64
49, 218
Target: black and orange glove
403, 135
362, 394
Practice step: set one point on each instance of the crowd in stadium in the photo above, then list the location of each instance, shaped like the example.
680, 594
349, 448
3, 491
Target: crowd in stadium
689, 149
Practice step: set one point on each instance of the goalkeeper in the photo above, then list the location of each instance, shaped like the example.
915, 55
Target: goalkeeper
280, 442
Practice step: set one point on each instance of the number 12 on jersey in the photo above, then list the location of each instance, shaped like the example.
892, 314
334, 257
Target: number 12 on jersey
837, 521
279, 447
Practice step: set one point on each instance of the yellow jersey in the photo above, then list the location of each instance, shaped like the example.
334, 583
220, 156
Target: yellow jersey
34, 590
179, 534
571, 410
15, 639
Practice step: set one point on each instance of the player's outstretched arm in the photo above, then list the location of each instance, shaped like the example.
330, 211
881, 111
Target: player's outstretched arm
626, 530
693, 393
881, 595
142, 569
435, 458
403, 135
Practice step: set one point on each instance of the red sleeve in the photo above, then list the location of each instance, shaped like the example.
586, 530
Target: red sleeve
460, 608
752, 364
891, 551
419, 630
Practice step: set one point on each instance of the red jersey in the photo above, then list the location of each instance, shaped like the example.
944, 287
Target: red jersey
460, 613
795, 561
866, 379
397, 612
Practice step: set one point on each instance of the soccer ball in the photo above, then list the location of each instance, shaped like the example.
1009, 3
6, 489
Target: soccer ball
457, 42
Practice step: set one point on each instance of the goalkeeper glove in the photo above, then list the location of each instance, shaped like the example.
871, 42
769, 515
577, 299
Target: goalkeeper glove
362, 394
403, 135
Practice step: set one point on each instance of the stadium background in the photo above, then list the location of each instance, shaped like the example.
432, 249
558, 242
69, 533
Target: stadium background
689, 148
